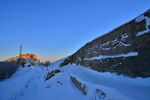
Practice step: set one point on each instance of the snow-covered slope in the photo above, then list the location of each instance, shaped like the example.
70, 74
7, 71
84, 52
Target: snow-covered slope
29, 83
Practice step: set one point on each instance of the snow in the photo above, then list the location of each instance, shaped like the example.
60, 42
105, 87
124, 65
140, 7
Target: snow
112, 56
79, 59
120, 41
27, 64
139, 19
127, 86
106, 48
29, 83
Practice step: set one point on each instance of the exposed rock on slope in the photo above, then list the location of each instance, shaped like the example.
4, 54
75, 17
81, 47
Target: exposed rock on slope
52, 74
125, 50
79, 85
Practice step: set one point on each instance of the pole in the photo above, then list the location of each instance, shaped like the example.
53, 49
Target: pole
20, 49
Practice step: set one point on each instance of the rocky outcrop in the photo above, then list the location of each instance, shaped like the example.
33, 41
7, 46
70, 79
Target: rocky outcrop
79, 85
125, 50
52, 74
84, 87
25, 60
28, 55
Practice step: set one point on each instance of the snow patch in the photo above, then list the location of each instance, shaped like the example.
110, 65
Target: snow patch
113, 56
139, 19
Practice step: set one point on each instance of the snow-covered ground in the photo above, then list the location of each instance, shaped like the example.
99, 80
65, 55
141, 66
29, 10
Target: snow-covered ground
29, 83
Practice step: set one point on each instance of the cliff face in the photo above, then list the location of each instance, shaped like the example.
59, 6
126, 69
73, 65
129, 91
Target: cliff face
125, 50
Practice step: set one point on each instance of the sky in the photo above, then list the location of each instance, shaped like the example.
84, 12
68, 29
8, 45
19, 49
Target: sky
53, 29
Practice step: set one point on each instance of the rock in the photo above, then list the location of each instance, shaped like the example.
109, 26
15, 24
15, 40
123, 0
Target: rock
52, 74
28, 55
100, 93
26, 60
79, 85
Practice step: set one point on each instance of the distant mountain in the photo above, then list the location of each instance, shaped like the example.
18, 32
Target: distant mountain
125, 50
28, 55
28, 59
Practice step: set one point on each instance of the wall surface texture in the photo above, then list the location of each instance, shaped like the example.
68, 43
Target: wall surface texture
125, 50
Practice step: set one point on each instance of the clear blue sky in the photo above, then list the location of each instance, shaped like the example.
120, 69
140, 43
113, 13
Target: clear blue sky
53, 29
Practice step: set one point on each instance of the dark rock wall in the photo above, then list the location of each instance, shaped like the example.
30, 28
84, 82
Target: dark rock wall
7, 69
133, 36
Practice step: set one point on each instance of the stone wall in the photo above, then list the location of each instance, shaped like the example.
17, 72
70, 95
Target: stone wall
133, 36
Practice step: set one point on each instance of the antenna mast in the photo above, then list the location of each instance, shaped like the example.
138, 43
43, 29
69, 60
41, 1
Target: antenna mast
20, 49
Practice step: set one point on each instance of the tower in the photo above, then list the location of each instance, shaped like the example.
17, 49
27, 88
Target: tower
20, 49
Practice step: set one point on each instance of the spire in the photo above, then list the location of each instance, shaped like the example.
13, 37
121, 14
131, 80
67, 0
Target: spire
20, 49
